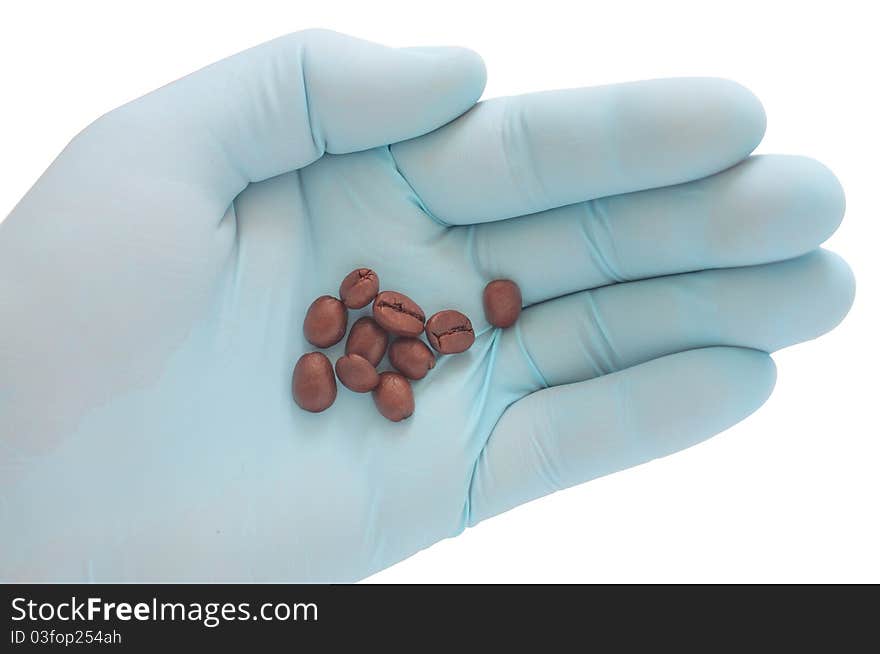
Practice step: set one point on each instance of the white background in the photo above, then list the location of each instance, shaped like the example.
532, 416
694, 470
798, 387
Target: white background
792, 493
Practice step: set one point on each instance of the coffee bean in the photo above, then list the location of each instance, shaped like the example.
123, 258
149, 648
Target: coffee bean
502, 302
450, 332
359, 288
411, 357
367, 339
356, 373
394, 397
398, 314
325, 322
314, 385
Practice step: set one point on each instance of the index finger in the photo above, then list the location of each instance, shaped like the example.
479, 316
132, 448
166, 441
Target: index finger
518, 155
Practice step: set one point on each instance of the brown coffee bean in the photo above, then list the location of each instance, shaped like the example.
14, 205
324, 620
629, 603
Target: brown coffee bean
314, 385
356, 373
394, 397
449, 332
502, 302
325, 322
398, 314
411, 357
359, 288
367, 339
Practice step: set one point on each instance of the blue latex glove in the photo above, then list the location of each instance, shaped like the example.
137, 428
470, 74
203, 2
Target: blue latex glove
154, 281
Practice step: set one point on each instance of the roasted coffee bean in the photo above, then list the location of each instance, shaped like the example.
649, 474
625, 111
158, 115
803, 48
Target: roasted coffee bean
450, 332
394, 397
325, 322
502, 302
411, 357
397, 314
356, 373
359, 288
314, 385
367, 339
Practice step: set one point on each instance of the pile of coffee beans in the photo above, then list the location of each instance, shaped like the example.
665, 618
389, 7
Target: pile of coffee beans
394, 315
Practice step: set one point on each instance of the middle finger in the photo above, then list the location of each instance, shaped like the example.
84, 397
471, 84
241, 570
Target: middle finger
767, 208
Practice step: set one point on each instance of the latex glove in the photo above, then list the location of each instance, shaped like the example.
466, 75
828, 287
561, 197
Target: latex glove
154, 281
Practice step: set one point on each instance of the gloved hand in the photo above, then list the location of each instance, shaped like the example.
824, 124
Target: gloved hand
154, 280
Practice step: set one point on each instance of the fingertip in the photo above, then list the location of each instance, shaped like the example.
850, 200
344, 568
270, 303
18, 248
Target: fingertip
770, 372
685, 128
756, 366
823, 286
366, 94
776, 207
731, 113
744, 379
805, 192
467, 62
750, 113
839, 287
744, 375
822, 195
458, 73
473, 70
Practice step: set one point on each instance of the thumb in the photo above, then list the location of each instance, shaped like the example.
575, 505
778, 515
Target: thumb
281, 105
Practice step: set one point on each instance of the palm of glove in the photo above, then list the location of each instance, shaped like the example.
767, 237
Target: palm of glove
345, 483
146, 390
